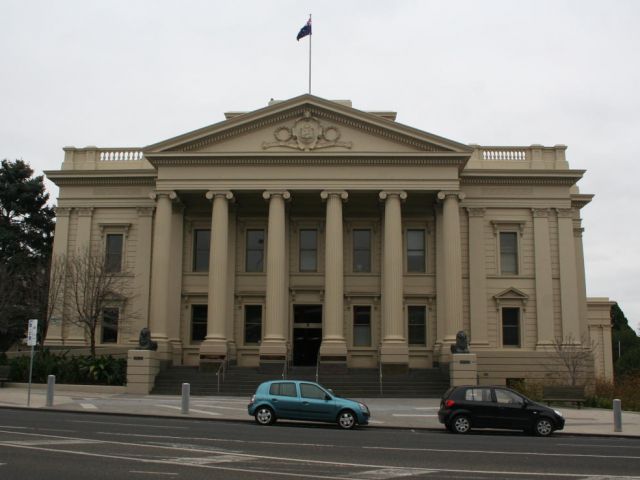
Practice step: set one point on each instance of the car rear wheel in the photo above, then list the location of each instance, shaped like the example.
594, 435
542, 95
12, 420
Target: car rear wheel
543, 427
265, 416
346, 420
460, 424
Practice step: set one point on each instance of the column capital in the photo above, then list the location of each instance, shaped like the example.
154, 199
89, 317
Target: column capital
577, 232
62, 211
392, 193
285, 194
565, 212
85, 211
211, 194
540, 212
443, 194
476, 212
325, 194
170, 194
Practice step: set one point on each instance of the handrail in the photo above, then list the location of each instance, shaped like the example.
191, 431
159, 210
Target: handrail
221, 369
318, 367
380, 368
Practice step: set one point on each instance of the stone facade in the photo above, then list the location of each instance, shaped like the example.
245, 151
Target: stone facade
311, 230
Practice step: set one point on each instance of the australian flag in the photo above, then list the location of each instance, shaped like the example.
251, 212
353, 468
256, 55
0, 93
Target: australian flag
304, 31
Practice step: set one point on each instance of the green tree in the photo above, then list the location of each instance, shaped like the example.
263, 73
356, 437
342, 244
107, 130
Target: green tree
26, 238
625, 343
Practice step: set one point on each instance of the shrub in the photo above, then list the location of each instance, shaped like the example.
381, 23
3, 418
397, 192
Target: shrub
87, 370
626, 388
530, 389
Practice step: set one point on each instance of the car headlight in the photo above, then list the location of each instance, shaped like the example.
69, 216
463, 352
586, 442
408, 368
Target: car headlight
363, 407
559, 413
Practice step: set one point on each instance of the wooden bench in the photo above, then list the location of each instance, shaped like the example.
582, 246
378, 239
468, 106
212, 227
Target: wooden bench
4, 374
563, 393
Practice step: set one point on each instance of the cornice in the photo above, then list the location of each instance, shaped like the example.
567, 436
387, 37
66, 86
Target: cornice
527, 177
63, 178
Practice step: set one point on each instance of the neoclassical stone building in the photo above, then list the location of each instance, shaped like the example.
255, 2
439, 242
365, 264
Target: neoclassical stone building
312, 231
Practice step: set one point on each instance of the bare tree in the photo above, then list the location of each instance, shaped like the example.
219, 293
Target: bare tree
92, 287
576, 356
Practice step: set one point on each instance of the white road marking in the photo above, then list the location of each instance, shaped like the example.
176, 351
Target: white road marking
376, 422
597, 445
88, 406
129, 424
58, 441
413, 415
501, 452
10, 426
54, 430
215, 459
204, 412
143, 472
384, 473
426, 408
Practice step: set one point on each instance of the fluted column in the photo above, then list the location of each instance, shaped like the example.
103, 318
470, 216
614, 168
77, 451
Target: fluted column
568, 276
60, 246
161, 269
334, 347
477, 279
452, 263
582, 282
394, 348
214, 347
273, 347
544, 285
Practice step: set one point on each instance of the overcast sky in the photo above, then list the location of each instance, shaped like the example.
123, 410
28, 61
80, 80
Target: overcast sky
132, 73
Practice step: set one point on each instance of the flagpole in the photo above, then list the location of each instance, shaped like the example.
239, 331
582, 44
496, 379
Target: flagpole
311, 35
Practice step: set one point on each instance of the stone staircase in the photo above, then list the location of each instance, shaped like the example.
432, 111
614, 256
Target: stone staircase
358, 383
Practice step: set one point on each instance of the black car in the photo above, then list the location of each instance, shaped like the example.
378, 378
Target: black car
466, 407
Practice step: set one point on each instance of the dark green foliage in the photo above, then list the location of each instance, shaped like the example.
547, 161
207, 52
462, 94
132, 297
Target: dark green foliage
84, 370
626, 388
625, 344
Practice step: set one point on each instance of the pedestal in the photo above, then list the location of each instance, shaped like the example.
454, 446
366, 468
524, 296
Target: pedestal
463, 369
142, 368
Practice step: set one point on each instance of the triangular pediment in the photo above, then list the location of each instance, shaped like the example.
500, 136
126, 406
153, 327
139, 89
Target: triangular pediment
511, 293
307, 125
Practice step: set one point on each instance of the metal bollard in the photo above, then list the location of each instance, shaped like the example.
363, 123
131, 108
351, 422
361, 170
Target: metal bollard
51, 384
186, 389
617, 415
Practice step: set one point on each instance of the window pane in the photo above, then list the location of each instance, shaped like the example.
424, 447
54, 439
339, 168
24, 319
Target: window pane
201, 243
415, 261
415, 251
415, 239
417, 320
478, 395
308, 250
509, 253
362, 250
198, 322
511, 326
252, 323
362, 326
505, 396
110, 325
308, 390
255, 251
308, 239
113, 258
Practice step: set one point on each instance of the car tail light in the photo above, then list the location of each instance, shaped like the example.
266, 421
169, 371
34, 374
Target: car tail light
449, 403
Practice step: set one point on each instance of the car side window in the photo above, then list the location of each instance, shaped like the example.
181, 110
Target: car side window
283, 389
308, 390
477, 395
505, 396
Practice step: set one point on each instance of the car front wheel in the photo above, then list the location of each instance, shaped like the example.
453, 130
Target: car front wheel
543, 427
461, 424
265, 416
346, 420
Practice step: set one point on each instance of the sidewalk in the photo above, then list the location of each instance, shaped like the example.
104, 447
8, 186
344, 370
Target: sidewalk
386, 412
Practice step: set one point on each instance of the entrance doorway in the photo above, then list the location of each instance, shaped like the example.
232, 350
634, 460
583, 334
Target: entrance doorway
307, 334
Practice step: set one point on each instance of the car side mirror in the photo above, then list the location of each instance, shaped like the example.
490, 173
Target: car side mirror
327, 397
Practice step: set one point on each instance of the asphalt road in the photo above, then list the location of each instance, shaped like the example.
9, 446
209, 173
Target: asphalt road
52, 445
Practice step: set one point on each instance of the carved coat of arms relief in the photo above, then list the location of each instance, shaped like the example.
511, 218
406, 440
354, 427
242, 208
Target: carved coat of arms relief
307, 134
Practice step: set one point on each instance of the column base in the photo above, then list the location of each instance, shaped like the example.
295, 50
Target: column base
333, 356
212, 354
394, 358
545, 346
273, 354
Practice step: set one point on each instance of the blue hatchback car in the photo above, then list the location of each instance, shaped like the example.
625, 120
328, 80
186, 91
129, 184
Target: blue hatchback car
303, 400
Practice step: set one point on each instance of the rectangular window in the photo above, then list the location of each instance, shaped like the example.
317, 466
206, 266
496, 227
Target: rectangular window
308, 250
199, 322
511, 327
110, 325
255, 251
201, 243
508, 253
252, 323
362, 326
362, 250
417, 320
283, 389
416, 251
113, 254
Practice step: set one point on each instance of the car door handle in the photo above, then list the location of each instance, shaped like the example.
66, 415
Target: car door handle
305, 403
274, 400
